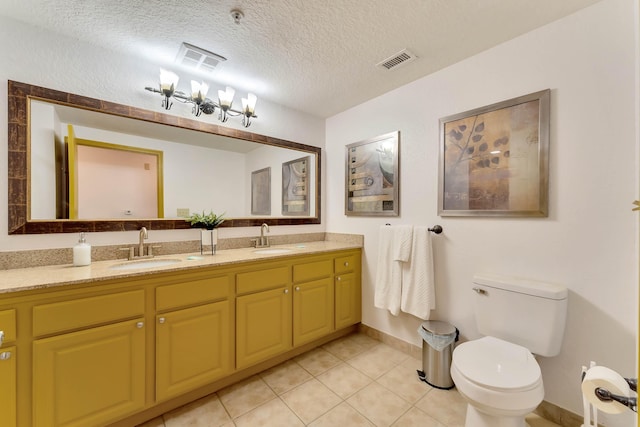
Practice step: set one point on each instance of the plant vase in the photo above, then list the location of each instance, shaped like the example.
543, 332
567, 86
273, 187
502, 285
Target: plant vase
208, 241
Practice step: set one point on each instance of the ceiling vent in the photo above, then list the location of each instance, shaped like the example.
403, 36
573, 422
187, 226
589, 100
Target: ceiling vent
401, 58
197, 58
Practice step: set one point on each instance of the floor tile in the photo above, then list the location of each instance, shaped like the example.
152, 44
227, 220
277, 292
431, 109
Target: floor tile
446, 406
271, 414
344, 380
414, 417
317, 361
377, 360
379, 405
345, 348
403, 380
205, 412
342, 415
351, 382
241, 398
285, 376
310, 400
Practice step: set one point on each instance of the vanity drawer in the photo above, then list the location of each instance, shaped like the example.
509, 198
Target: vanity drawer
259, 280
312, 270
84, 312
193, 292
345, 264
8, 325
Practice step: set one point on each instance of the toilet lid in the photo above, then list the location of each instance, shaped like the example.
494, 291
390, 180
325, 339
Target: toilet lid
497, 364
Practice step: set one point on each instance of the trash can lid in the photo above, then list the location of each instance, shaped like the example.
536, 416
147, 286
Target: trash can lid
437, 327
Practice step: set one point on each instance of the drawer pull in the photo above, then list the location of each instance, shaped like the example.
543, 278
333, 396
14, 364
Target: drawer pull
1, 338
286, 291
139, 325
162, 320
346, 263
5, 355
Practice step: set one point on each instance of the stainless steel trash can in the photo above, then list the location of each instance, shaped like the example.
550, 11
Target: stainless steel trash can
437, 354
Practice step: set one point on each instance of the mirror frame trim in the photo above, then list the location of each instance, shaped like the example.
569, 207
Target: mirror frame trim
19, 172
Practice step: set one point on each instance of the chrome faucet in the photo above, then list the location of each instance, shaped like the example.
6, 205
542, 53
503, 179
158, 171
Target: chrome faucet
264, 240
143, 235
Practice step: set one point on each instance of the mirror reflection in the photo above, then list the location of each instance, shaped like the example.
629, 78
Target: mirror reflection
198, 171
186, 166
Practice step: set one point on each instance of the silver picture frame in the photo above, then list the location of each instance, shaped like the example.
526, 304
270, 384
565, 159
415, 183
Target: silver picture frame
372, 176
494, 160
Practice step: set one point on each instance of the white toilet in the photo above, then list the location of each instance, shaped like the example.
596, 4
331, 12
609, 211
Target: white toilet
498, 374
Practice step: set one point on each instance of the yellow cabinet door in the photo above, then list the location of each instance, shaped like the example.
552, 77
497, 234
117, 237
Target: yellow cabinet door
263, 325
90, 377
312, 310
348, 304
8, 386
192, 348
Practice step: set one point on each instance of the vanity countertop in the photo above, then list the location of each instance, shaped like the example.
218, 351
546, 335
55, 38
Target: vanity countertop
24, 279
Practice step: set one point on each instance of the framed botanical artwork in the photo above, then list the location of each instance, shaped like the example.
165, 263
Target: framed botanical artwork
372, 178
494, 160
295, 187
261, 192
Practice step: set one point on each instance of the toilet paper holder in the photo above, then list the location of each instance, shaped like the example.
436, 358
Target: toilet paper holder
605, 395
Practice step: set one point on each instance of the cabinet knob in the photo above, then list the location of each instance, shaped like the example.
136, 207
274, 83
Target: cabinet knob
346, 263
162, 320
338, 278
5, 355
286, 291
297, 288
139, 325
1, 338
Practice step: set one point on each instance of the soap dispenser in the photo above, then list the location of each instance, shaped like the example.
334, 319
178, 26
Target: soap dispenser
81, 252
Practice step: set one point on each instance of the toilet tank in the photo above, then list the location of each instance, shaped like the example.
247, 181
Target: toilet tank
525, 312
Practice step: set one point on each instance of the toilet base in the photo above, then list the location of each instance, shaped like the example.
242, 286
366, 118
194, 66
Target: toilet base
476, 418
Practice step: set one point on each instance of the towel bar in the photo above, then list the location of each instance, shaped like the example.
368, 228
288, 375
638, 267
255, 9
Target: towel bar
437, 229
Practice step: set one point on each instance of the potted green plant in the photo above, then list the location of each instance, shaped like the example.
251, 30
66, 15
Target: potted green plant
208, 224
208, 221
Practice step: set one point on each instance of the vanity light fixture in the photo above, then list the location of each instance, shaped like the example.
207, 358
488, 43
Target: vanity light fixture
202, 104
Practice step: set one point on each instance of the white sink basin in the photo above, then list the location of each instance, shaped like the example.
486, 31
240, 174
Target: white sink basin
147, 263
273, 251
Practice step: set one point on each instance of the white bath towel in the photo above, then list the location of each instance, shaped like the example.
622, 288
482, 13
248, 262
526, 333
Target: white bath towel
418, 296
394, 248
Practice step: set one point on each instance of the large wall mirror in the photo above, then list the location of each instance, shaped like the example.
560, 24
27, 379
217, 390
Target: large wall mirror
197, 166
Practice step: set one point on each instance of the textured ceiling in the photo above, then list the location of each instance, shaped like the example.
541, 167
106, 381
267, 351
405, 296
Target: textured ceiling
316, 56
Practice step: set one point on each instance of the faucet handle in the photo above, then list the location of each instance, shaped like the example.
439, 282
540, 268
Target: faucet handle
131, 253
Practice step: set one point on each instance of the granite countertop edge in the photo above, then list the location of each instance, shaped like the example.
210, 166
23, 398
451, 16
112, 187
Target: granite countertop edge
34, 278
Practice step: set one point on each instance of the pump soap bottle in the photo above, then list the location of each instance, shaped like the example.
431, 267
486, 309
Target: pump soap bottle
81, 252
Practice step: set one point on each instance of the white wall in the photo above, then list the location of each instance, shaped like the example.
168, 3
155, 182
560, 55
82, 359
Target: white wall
38, 57
587, 243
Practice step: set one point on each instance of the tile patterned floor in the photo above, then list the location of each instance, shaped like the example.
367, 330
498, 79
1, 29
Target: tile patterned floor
353, 381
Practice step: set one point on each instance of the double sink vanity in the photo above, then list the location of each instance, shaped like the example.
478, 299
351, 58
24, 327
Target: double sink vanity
120, 342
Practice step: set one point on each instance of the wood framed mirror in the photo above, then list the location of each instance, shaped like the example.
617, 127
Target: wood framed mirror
20, 221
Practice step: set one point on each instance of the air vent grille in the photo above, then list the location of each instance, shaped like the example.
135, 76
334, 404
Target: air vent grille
198, 58
401, 58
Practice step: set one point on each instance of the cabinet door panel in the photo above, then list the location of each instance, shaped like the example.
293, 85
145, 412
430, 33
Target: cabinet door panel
192, 348
89, 377
312, 310
8, 398
263, 322
347, 300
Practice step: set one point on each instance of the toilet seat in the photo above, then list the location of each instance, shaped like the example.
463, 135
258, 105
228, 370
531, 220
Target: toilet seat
495, 364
